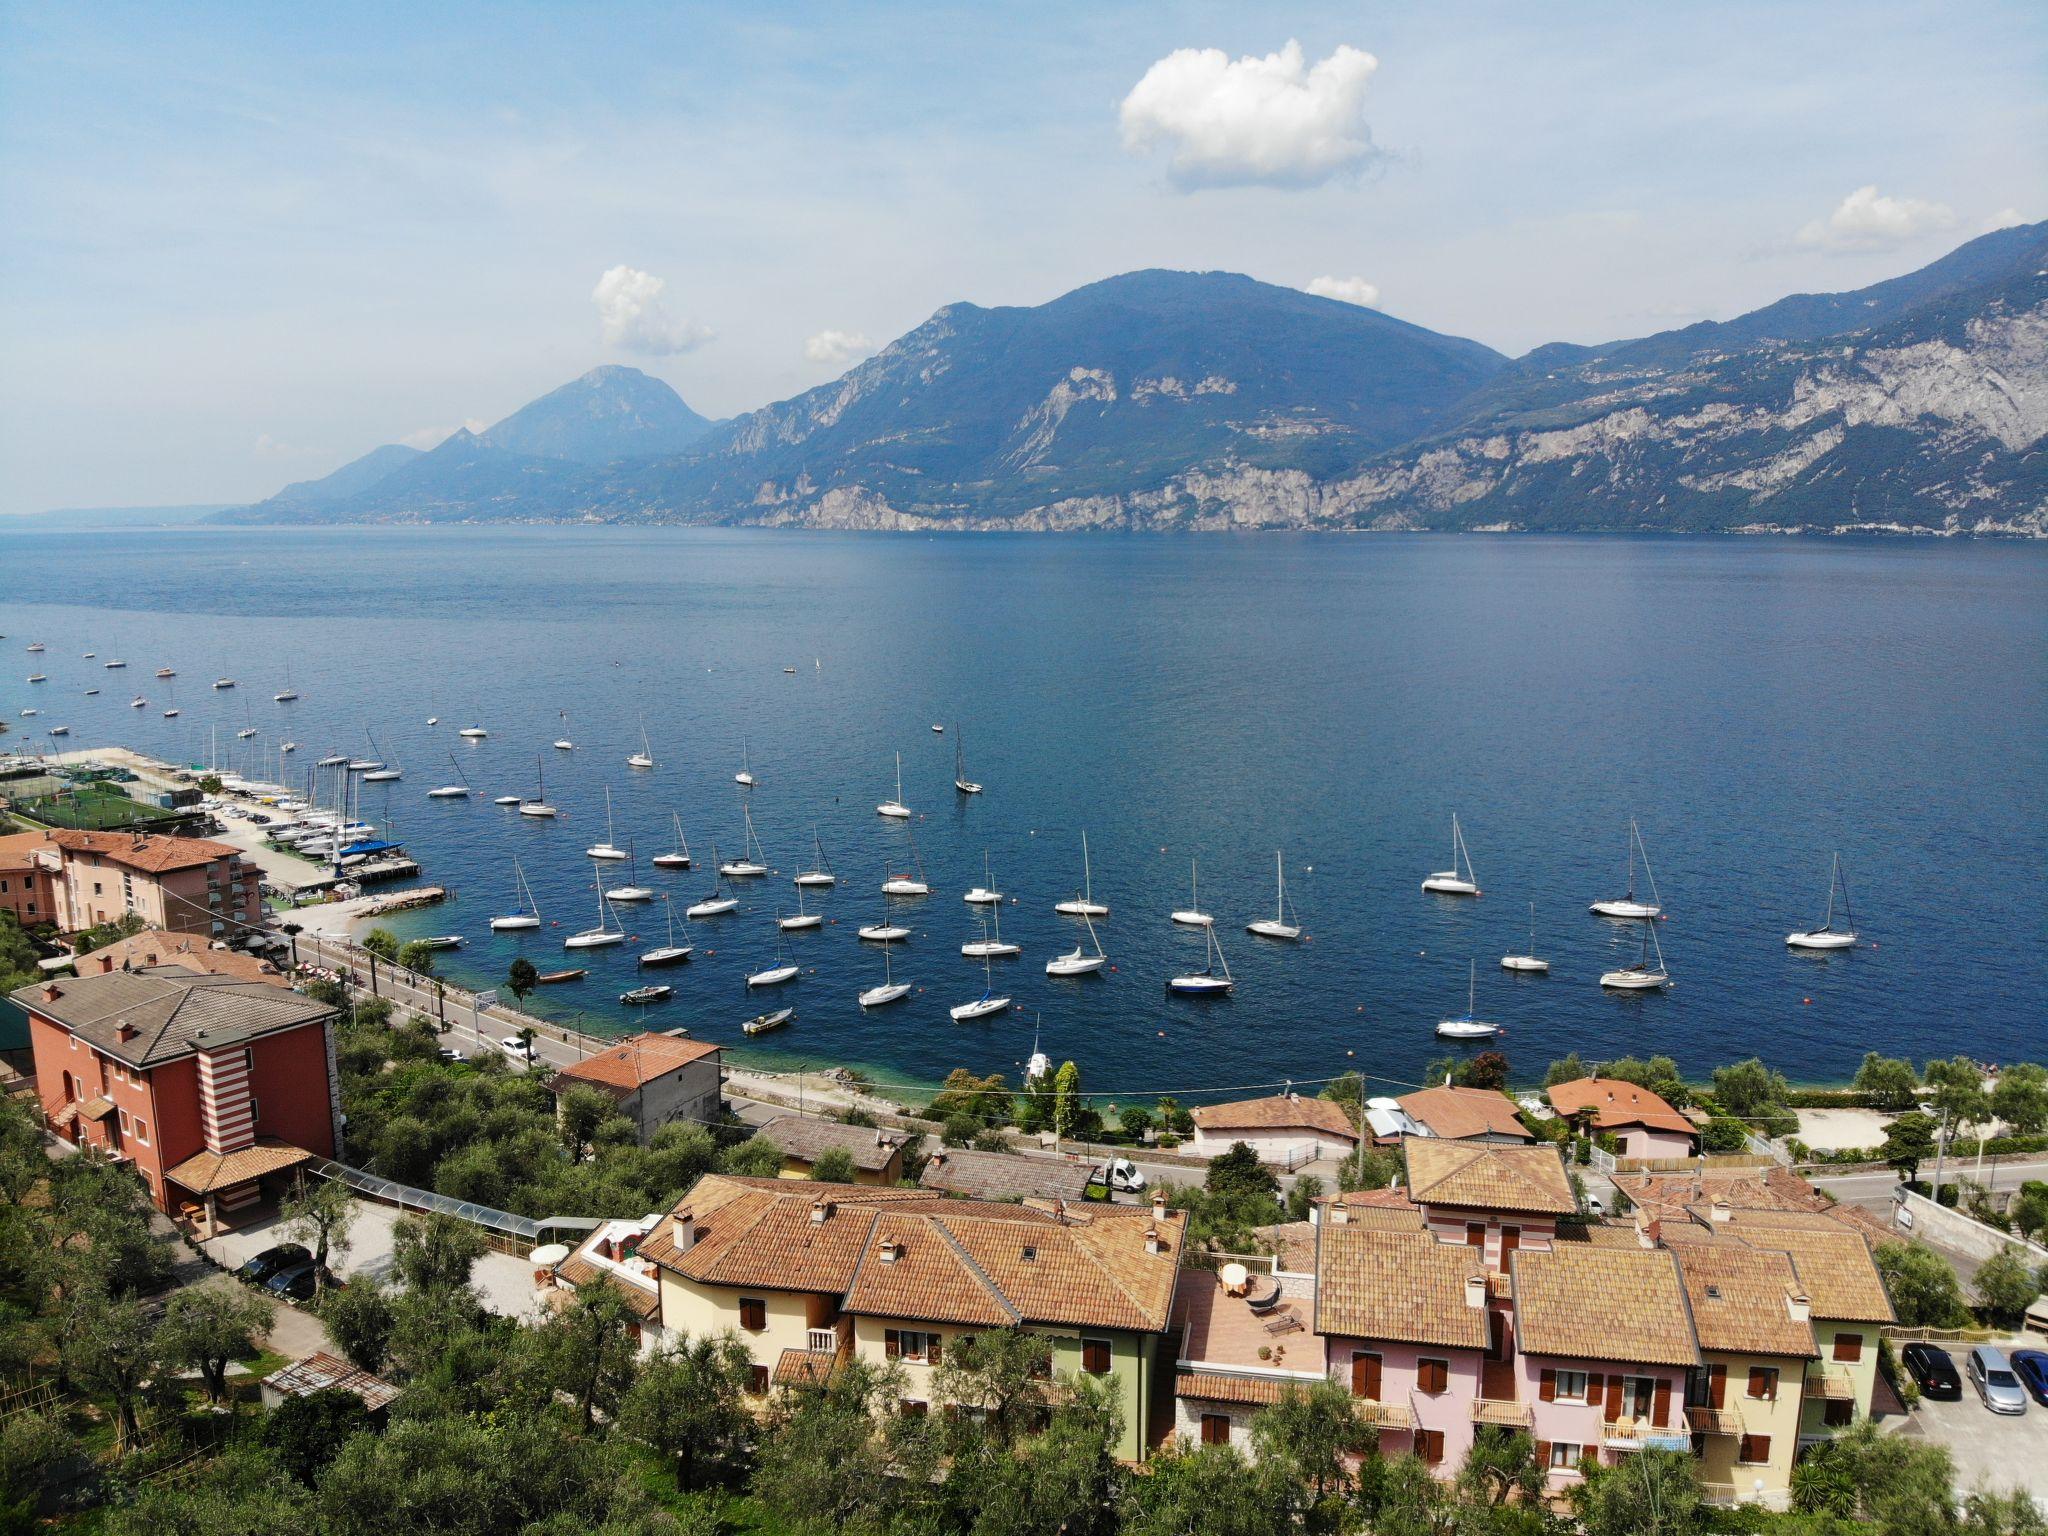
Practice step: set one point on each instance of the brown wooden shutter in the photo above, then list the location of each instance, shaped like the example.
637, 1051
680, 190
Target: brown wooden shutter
1510, 1240
1365, 1376
1717, 1386
892, 1343
1433, 1376
1475, 1234
1543, 1455
1429, 1445
1613, 1398
1595, 1386
1215, 1429
1759, 1381
757, 1379
1849, 1347
1660, 1401
1755, 1448
753, 1314
932, 1347
1546, 1386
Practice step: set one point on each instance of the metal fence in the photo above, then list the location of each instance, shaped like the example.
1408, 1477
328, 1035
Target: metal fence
523, 1230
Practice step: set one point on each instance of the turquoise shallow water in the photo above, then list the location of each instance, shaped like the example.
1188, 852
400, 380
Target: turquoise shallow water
1756, 704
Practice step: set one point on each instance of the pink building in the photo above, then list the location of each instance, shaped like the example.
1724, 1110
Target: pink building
1644, 1124
1498, 1199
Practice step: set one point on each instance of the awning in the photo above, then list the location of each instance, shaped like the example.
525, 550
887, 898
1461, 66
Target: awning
208, 1171
96, 1109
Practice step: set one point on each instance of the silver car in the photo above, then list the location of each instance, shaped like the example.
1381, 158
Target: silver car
1993, 1377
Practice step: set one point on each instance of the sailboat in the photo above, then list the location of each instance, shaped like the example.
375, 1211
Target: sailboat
452, 791
1458, 880
607, 849
527, 915
984, 894
1077, 961
679, 857
473, 733
1039, 1068
720, 900
1468, 1027
754, 861
670, 953
908, 885
1192, 915
1827, 935
820, 873
802, 919
784, 969
605, 933
983, 1005
746, 774
961, 782
1085, 904
1642, 976
891, 990
380, 772
562, 742
1206, 982
248, 726
895, 809
984, 947
1628, 906
644, 758
632, 890
538, 805
1526, 960
884, 932
287, 693
1278, 926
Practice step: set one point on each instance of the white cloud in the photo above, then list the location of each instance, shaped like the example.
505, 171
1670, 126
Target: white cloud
434, 437
838, 347
2005, 218
630, 310
1272, 121
268, 447
1866, 220
1352, 290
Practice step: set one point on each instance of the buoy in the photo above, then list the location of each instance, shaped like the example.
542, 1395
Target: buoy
1807, 1000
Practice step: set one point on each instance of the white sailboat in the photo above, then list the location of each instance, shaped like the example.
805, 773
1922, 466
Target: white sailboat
985, 947
1527, 960
820, 873
746, 774
908, 885
1468, 1027
1085, 904
719, 901
983, 1005
782, 970
679, 856
562, 742
1039, 1068
1458, 880
1628, 906
884, 932
1642, 976
379, 772
607, 849
458, 791
891, 990
1192, 915
670, 953
961, 782
606, 933
632, 890
895, 809
1077, 961
753, 862
473, 732
1206, 982
1827, 935
644, 758
803, 918
984, 894
538, 806
1281, 925
287, 693
526, 915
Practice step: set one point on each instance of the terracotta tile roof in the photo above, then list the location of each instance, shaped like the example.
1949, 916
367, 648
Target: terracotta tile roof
1484, 1176
1399, 1286
146, 852
187, 951
1293, 1245
804, 1367
1222, 1387
1004, 1176
1587, 1302
1599, 1234
1405, 1217
632, 1064
1282, 1112
320, 1370
579, 1272
1833, 1260
1615, 1103
1093, 1269
1767, 1189
1458, 1112
205, 1172
707, 1206
168, 1012
1741, 1300
807, 1139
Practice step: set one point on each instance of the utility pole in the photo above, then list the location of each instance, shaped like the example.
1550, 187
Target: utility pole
1940, 1155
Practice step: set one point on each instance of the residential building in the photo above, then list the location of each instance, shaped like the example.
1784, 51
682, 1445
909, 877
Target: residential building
813, 1275
208, 1085
1644, 1124
1285, 1129
186, 951
1494, 1197
1465, 1114
1004, 1176
610, 1255
184, 884
30, 866
654, 1078
877, 1154
1240, 1350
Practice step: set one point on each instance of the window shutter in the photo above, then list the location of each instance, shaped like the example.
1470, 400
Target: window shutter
1759, 1381
1215, 1429
1475, 1234
1849, 1347
1365, 1376
1546, 1388
1543, 1454
1660, 1399
932, 1347
892, 1343
1613, 1398
1595, 1387
1717, 1386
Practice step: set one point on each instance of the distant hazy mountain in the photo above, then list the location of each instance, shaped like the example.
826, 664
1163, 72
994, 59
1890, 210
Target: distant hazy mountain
116, 517
1207, 400
352, 478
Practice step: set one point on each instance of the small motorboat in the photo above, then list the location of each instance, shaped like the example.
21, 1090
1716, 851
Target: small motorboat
1527, 962
1458, 880
789, 671
938, 730
433, 719
1192, 915
36, 646
1282, 924
761, 1023
440, 941
1827, 935
647, 994
553, 978
506, 800
1207, 982
88, 655
26, 713
565, 745
895, 809
1468, 1027
287, 746
166, 672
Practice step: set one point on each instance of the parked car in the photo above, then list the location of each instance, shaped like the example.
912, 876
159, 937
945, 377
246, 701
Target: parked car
1992, 1375
296, 1281
449, 1053
1933, 1371
2031, 1366
267, 1263
516, 1048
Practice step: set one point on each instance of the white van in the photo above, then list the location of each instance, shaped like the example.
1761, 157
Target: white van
1121, 1175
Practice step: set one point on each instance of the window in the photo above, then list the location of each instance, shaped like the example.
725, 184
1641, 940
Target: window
1365, 1376
142, 1132
1429, 1446
757, 1380
1095, 1356
1215, 1429
910, 1344
911, 1408
124, 1119
1754, 1449
1763, 1382
1571, 1386
753, 1313
1564, 1455
255, 1109
1475, 1234
1838, 1413
1432, 1377
249, 1058
1849, 1347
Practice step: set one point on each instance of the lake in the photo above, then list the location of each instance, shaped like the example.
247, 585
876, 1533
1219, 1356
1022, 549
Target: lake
1757, 705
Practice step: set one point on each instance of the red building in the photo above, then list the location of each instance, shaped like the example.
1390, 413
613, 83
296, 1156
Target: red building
209, 1085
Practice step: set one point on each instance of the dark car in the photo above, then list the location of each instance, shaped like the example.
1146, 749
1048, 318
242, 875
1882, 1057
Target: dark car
297, 1282
267, 1263
2031, 1366
1933, 1371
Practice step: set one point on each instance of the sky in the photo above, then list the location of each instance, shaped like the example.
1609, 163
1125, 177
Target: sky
241, 245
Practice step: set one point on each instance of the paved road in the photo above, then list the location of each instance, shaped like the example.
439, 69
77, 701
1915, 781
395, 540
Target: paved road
1873, 1189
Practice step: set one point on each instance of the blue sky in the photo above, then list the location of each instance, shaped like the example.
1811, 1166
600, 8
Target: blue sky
241, 245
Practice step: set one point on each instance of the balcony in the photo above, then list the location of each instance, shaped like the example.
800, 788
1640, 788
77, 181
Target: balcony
1632, 1434
1830, 1382
1716, 1421
1509, 1415
822, 1341
1382, 1415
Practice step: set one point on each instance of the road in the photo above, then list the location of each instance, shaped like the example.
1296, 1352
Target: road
1875, 1189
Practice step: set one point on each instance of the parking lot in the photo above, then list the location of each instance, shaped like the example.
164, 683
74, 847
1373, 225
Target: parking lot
1991, 1450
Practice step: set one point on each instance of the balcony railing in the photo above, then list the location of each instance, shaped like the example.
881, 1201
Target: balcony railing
1635, 1434
1832, 1382
822, 1340
1716, 1421
1383, 1415
1509, 1415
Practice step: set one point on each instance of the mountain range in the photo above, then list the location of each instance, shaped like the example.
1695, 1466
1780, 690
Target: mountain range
1178, 400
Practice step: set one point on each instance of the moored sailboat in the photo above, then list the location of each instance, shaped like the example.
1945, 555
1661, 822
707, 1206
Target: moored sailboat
605, 933
526, 915
754, 862
1469, 1026
1627, 906
1527, 960
895, 809
1459, 879
1278, 926
679, 856
1192, 915
607, 849
1083, 904
1642, 976
1205, 982
1077, 961
1827, 935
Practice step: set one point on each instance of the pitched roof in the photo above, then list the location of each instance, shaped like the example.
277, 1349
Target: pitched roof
632, 1064
204, 1172
148, 852
1282, 1112
804, 1367
1224, 1387
1401, 1286
580, 1271
808, 1139
1485, 1176
1592, 1302
1742, 1300
1615, 1103
186, 951
1457, 1112
321, 1370
171, 1011
1003, 1175
1761, 1189
1834, 1261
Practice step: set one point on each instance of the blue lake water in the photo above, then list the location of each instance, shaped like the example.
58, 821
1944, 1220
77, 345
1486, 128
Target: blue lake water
1756, 704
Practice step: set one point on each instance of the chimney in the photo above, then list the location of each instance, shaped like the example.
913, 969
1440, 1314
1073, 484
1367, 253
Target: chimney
878, 1137
1059, 1212
52, 992
124, 1031
686, 1233
820, 1210
891, 1250
1719, 1210
1340, 1213
1158, 1203
1798, 1307
1154, 1243
106, 962
1475, 1290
